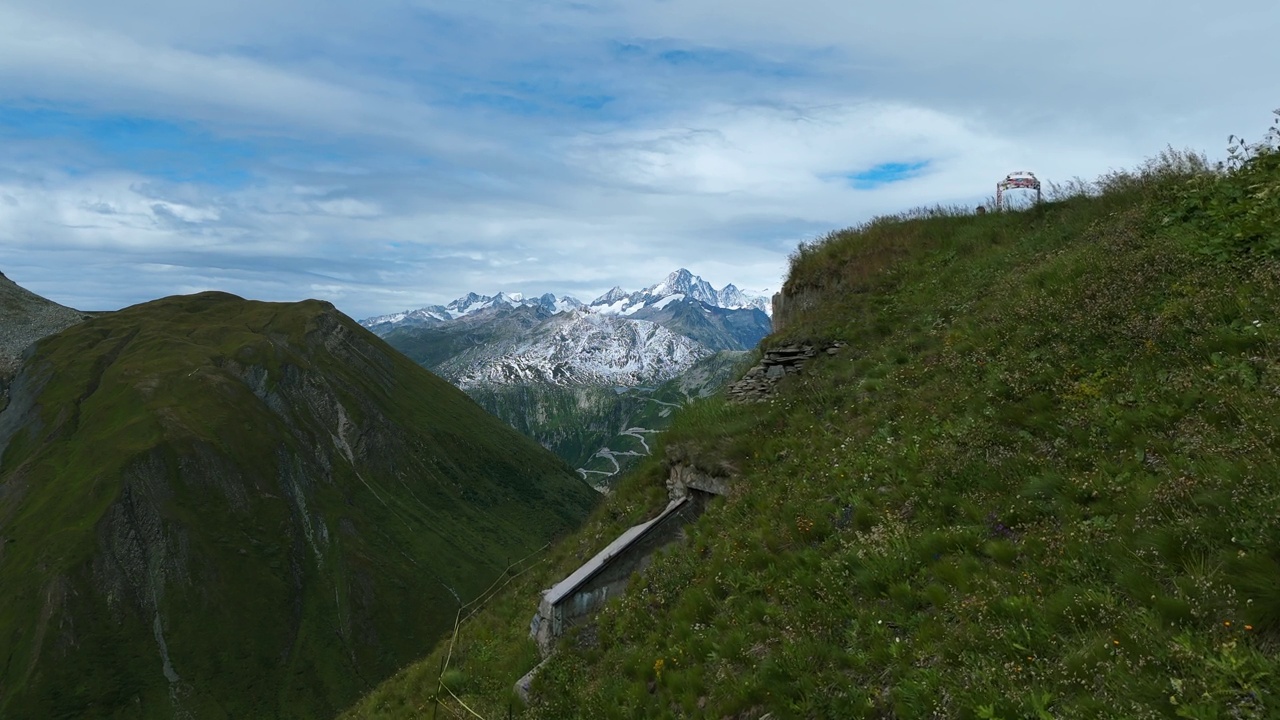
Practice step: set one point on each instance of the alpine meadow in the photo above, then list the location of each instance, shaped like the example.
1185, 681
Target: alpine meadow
1034, 477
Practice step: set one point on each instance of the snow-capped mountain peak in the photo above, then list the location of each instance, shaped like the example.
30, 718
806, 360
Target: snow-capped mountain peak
732, 298
677, 286
580, 348
613, 296
683, 282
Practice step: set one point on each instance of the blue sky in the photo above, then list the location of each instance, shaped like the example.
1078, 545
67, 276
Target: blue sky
395, 153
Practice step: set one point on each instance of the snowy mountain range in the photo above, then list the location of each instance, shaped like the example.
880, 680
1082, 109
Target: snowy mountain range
578, 348
587, 380
468, 304
677, 286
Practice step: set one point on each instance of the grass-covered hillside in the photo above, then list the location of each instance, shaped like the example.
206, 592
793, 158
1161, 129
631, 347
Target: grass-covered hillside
216, 508
1041, 481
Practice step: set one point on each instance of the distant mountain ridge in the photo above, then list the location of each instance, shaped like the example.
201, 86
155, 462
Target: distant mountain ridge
620, 339
676, 286
468, 304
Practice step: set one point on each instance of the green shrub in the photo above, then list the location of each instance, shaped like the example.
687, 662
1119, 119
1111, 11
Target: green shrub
1237, 212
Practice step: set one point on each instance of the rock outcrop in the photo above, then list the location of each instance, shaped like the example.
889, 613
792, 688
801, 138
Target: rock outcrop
789, 304
681, 478
26, 318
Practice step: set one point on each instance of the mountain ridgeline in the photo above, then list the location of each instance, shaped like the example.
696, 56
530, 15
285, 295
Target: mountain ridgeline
211, 507
587, 380
25, 317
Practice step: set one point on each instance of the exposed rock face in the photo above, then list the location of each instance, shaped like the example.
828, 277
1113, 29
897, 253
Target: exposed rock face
779, 315
26, 318
758, 382
788, 305
682, 478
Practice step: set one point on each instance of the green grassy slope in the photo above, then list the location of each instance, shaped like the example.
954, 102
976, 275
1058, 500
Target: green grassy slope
1040, 481
218, 508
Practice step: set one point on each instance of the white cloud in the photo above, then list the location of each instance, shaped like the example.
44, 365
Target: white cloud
387, 155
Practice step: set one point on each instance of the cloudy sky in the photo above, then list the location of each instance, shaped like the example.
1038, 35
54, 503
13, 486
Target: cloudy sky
389, 154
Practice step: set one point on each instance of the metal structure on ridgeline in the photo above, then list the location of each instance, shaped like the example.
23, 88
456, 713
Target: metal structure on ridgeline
1020, 180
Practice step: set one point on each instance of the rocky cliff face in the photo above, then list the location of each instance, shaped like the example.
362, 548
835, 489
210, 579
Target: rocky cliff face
217, 508
24, 319
791, 303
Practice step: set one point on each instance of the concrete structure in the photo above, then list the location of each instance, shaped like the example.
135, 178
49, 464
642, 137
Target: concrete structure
578, 597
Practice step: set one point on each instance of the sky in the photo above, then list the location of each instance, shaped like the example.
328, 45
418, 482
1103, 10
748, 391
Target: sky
390, 154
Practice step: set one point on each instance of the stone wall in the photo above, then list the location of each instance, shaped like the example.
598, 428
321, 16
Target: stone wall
758, 382
580, 606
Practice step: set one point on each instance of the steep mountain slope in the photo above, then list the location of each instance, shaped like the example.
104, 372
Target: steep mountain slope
1037, 480
218, 508
25, 318
472, 336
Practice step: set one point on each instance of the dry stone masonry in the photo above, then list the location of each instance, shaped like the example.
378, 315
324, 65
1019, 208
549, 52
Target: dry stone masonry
758, 382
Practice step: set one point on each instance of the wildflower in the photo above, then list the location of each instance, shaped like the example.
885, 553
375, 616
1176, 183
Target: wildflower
1248, 627
1226, 623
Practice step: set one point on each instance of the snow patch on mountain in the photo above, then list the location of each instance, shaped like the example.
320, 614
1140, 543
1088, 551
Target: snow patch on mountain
581, 348
667, 301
